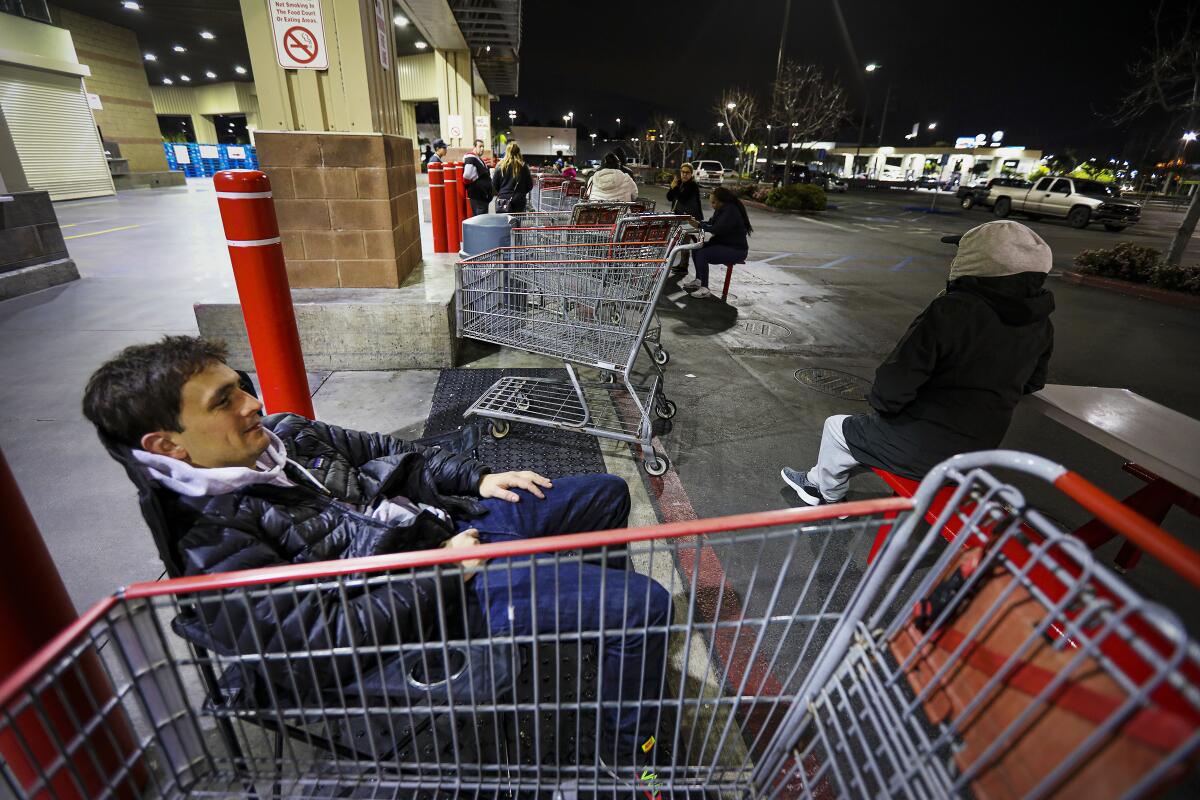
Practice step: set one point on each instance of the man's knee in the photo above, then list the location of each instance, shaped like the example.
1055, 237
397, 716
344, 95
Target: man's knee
833, 427
611, 493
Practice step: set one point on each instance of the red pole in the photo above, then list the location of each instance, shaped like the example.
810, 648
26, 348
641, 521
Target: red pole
453, 208
252, 233
437, 208
35, 607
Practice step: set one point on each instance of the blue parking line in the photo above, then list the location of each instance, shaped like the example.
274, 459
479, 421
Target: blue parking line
833, 263
902, 263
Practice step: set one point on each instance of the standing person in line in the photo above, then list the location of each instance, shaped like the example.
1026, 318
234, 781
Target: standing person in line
427, 155
611, 183
439, 152
478, 179
684, 196
729, 227
569, 172
512, 182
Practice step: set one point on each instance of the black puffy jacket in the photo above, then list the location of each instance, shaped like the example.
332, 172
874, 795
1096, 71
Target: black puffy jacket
952, 382
262, 526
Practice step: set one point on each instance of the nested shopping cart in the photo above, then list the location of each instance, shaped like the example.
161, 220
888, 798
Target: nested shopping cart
589, 304
1008, 663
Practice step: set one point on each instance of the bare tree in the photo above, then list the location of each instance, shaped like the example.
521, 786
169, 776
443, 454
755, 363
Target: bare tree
738, 110
1167, 82
805, 105
666, 135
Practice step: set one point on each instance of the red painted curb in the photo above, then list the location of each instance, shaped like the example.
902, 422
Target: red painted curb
1132, 289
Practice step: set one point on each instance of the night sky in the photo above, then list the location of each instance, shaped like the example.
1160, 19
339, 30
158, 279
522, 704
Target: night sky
1044, 72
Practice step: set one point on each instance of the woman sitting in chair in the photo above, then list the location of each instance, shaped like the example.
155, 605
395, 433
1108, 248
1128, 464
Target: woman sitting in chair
728, 229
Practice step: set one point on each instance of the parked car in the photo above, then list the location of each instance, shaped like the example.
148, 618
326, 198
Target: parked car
980, 194
709, 173
836, 184
1080, 202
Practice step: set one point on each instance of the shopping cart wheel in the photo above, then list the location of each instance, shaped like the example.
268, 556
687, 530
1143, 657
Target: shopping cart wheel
661, 357
665, 408
499, 428
657, 466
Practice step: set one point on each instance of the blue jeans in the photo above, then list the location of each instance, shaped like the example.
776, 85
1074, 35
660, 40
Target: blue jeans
715, 254
570, 597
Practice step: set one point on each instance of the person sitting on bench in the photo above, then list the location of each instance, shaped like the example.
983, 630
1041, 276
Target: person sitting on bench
951, 384
250, 491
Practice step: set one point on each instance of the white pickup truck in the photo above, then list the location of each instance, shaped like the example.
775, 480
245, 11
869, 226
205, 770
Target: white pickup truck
1080, 202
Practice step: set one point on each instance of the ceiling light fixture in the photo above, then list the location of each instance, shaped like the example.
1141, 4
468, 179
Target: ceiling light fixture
210, 74
206, 35
168, 81
185, 79
179, 48
240, 70
400, 20
150, 57
420, 45
131, 6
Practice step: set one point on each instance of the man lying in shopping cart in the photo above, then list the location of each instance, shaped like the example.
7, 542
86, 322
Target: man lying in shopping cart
247, 491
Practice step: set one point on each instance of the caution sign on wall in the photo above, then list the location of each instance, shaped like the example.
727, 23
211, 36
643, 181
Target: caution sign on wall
299, 34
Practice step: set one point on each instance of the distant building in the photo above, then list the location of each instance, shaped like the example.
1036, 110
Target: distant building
537, 141
910, 163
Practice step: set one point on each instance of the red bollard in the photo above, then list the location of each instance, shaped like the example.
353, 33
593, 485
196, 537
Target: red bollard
450, 177
252, 233
437, 208
36, 608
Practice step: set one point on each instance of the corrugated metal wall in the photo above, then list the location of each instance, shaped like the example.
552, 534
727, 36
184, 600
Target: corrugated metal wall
417, 77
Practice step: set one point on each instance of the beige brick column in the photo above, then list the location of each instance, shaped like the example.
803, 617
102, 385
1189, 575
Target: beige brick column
342, 176
344, 224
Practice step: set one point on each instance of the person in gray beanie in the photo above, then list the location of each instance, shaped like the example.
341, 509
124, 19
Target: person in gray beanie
952, 382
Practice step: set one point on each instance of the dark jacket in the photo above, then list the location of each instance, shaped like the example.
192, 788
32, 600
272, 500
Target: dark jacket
512, 187
264, 525
727, 228
952, 382
479, 189
685, 199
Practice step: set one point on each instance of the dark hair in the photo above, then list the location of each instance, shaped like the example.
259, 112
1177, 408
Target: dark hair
611, 161
479, 141
727, 197
141, 389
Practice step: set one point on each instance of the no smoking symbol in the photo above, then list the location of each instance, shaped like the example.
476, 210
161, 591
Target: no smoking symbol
300, 44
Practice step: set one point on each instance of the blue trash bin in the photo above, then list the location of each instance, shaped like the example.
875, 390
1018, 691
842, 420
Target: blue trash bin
485, 232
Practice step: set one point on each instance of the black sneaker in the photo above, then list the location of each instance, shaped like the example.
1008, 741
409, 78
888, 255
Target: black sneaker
807, 490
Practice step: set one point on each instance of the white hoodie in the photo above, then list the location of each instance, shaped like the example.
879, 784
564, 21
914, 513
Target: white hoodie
192, 481
612, 185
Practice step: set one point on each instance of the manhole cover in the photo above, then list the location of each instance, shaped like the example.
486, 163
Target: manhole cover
759, 327
834, 382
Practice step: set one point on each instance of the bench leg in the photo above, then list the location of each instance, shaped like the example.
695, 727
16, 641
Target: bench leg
728, 278
1152, 501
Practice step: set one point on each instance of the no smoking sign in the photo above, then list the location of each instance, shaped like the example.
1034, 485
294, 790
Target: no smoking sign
299, 34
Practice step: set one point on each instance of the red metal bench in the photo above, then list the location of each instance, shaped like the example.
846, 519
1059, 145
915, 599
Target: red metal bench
728, 278
906, 487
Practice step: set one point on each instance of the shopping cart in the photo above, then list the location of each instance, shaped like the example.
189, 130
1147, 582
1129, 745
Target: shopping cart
801, 672
587, 303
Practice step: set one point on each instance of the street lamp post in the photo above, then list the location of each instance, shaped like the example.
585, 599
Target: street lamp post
862, 125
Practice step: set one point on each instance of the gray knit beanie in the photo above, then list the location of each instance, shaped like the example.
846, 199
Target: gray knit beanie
999, 248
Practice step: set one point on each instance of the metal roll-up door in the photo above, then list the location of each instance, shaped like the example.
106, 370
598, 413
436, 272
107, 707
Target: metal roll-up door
54, 133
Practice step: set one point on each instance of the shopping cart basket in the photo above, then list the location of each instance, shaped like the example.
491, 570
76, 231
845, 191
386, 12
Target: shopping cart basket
589, 304
792, 669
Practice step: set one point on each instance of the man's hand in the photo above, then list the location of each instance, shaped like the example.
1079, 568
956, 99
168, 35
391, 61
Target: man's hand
468, 538
498, 484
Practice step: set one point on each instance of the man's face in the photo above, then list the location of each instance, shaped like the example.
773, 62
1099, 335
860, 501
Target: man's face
479, 148
441, 151
221, 426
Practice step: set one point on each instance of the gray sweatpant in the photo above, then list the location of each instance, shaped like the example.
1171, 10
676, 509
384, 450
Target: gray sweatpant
835, 464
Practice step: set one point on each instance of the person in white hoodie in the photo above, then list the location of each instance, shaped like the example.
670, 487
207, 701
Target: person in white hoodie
243, 491
611, 184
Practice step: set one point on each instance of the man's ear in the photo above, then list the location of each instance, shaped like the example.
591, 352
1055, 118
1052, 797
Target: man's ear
161, 443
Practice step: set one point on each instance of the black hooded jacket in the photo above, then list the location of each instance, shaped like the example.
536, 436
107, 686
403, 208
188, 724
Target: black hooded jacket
264, 525
685, 199
952, 382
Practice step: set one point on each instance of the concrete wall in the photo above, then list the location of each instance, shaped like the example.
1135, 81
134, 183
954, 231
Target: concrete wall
118, 76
